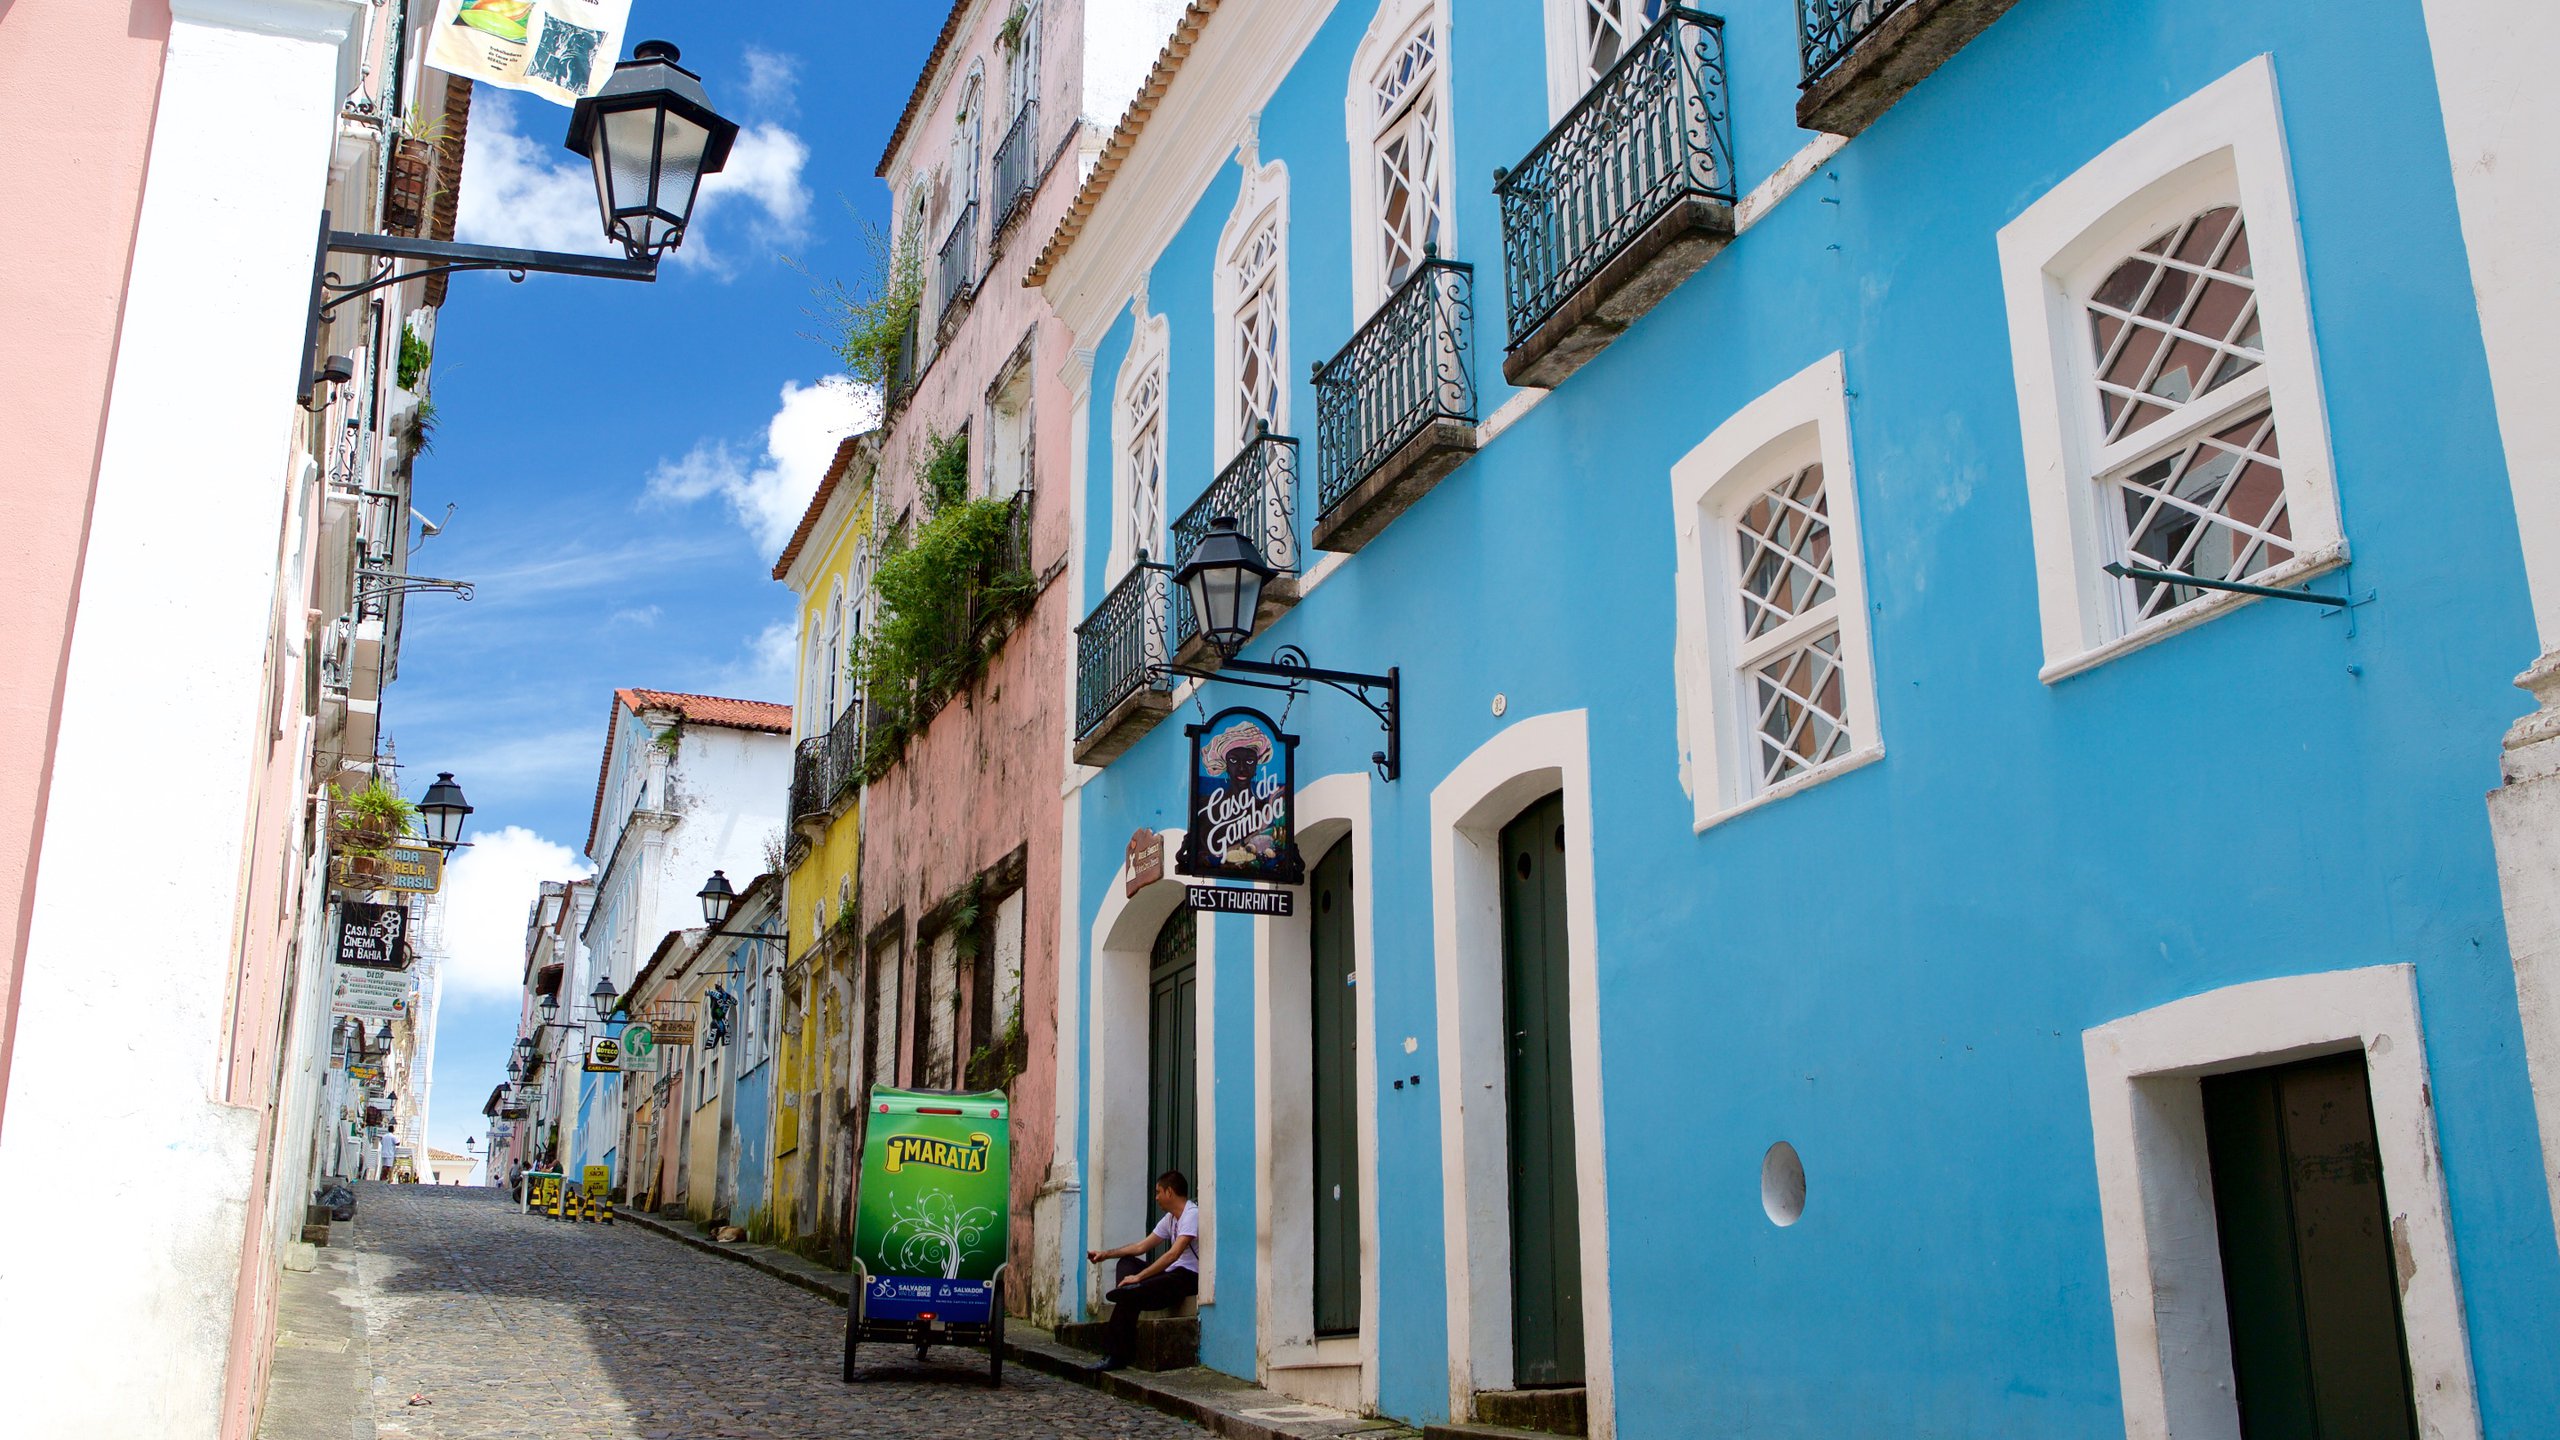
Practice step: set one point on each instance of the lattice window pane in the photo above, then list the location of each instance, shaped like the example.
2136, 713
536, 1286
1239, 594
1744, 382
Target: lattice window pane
1409, 69
2177, 320
1785, 540
1257, 365
1146, 489
2214, 508
1607, 28
1799, 703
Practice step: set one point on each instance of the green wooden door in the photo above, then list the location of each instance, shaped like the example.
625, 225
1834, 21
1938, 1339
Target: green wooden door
1335, 1052
2316, 1340
1546, 1211
1173, 1069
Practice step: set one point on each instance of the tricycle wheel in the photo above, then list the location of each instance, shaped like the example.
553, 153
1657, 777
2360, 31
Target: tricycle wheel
995, 1348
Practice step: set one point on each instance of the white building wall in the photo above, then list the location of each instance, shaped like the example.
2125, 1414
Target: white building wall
115, 1116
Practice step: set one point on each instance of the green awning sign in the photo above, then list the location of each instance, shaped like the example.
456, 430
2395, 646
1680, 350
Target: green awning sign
930, 1231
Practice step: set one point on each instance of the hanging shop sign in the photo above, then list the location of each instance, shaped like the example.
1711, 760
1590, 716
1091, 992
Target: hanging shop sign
561, 50
1243, 801
1243, 900
371, 994
401, 869
604, 1053
1145, 862
373, 937
640, 1049
672, 1032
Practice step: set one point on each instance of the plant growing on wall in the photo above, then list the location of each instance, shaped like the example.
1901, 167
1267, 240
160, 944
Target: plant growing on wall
939, 592
1010, 36
415, 356
868, 321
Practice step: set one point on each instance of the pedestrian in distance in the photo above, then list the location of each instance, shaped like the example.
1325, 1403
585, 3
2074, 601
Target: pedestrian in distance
1161, 1284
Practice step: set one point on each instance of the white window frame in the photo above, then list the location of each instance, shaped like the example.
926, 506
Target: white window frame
1568, 61
1150, 349
1022, 67
832, 683
1262, 202
1804, 419
1396, 23
2155, 1188
1011, 445
2222, 145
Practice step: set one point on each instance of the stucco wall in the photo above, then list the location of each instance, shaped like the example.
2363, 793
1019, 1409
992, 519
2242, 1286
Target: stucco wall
79, 84
1892, 971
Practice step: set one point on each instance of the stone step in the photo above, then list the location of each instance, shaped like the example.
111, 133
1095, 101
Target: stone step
1555, 1410
1474, 1431
1164, 1342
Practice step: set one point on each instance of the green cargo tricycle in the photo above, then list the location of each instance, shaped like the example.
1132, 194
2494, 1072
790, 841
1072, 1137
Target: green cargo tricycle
930, 1224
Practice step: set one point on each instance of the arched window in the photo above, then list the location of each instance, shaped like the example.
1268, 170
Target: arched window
1398, 109
832, 685
1139, 429
2160, 337
1253, 308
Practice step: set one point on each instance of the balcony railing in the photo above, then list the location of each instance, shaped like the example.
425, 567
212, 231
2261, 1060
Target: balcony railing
826, 768
808, 778
1120, 647
1411, 365
1649, 135
1017, 169
1830, 29
957, 270
1259, 488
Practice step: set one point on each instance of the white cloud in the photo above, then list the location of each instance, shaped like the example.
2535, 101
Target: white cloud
488, 891
770, 666
519, 191
769, 495
771, 79
641, 615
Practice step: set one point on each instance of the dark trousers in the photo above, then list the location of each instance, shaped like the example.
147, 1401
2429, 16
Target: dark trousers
1165, 1290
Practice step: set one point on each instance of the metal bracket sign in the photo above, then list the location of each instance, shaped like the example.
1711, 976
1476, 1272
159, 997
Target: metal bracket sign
604, 1053
1243, 900
402, 869
1244, 780
372, 937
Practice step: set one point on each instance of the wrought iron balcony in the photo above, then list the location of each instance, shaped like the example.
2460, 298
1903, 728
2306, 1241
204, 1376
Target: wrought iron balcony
1259, 488
826, 768
957, 270
1121, 688
1017, 167
808, 779
1862, 55
1626, 197
1396, 408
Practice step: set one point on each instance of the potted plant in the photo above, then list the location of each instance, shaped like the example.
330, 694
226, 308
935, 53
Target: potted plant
369, 822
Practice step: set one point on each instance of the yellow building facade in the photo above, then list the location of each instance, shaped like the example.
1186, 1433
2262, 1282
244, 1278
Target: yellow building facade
817, 1088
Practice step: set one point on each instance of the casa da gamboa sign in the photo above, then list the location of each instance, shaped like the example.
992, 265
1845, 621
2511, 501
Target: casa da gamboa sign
1244, 781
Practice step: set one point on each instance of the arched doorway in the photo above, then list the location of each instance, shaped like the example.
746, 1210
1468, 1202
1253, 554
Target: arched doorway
1173, 1049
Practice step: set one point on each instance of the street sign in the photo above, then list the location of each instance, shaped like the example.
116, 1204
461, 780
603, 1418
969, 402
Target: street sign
373, 937
596, 1181
1145, 857
1243, 801
1243, 900
372, 994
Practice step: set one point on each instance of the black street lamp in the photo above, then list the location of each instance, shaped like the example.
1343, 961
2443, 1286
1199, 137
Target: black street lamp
717, 899
1225, 576
602, 996
550, 1008
651, 135
444, 810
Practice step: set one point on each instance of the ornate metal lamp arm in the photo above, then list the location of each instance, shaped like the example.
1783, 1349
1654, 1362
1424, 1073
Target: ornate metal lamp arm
452, 256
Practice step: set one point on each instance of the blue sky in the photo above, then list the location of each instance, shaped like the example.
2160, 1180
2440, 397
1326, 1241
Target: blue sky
625, 459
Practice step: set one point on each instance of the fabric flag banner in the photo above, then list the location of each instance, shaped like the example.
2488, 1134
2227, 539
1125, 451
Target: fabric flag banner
561, 50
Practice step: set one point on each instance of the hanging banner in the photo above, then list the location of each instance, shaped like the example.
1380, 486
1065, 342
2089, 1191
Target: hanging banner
370, 937
1244, 780
931, 1212
372, 994
561, 50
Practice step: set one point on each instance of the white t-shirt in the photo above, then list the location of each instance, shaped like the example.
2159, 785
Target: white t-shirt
1167, 1229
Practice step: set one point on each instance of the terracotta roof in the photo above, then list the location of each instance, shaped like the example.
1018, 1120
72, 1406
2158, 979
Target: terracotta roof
697, 710
818, 502
454, 145
924, 83
1124, 138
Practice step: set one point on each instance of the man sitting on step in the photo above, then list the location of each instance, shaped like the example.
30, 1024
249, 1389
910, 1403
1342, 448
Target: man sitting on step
1171, 1279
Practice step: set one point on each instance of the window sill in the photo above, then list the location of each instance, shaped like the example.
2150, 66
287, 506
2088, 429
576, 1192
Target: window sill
1857, 760
2326, 558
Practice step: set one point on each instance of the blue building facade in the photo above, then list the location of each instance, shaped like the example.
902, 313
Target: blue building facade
1901, 901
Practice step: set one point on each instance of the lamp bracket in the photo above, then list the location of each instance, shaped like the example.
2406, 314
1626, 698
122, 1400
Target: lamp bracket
1288, 671
451, 256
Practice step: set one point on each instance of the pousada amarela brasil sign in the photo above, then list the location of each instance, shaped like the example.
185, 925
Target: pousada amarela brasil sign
1244, 803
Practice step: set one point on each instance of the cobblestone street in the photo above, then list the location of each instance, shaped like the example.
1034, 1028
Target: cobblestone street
510, 1325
